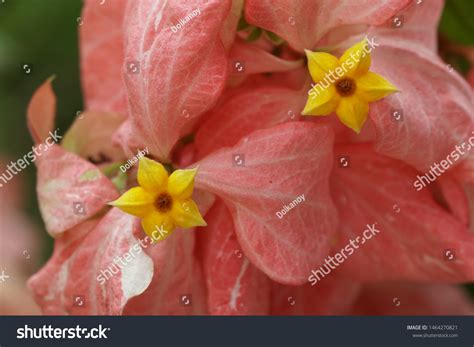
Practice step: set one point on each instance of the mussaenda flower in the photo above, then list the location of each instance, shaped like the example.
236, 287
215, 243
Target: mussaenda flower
348, 95
244, 99
162, 201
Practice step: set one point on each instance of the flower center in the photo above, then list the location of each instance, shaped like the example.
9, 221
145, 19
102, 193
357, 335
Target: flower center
164, 202
345, 86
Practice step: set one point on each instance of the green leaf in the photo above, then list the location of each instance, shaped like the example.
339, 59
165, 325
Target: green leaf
254, 35
457, 21
90, 175
187, 139
277, 40
458, 62
242, 24
112, 169
120, 181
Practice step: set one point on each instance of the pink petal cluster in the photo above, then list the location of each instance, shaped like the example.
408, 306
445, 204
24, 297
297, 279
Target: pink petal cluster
147, 86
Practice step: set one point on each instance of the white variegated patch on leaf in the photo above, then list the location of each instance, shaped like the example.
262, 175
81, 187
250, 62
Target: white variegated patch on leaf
71, 282
70, 189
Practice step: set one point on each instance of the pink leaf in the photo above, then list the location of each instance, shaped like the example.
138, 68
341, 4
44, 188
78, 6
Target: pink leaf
417, 24
464, 172
41, 112
413, 299
229, 27
246, 58
248, 109
303, 23
469, 190
470, 78
70, 189
414, 234
465, 178
178, 286
333, 296
74, 279
102, 55
454, 198
90, 136
258, 177
428, 89
179, 74
126, 139
235, 286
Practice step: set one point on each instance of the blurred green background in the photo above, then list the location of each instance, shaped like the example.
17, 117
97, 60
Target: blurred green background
43, 35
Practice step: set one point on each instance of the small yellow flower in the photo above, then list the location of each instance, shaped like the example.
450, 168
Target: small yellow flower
162, 202
345, 85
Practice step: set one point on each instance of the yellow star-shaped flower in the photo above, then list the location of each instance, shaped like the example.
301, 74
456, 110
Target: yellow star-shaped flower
345, 85
163, 202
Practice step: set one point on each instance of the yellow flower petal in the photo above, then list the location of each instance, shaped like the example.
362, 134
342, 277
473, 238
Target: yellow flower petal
353, 112
186, 214
320, 63
372, 87
356, 60
181, 183
323, 103
136, 201
158, 226
152, 175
